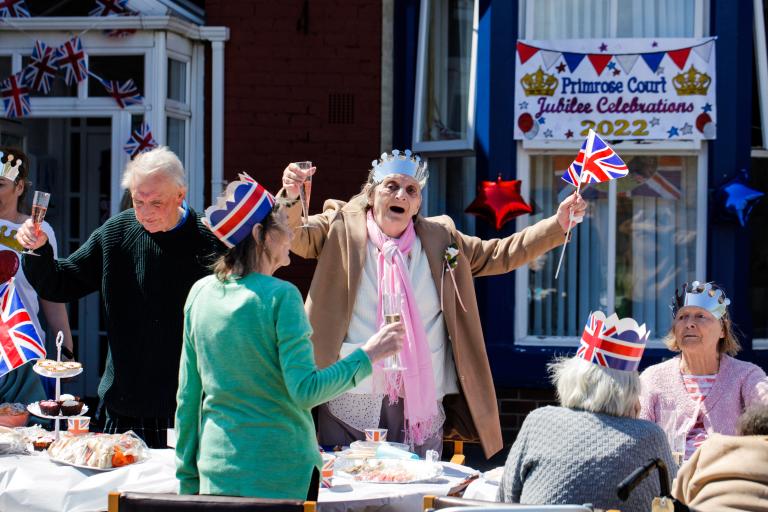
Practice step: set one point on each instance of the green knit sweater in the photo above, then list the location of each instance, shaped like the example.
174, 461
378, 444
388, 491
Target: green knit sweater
247, 382
144, 279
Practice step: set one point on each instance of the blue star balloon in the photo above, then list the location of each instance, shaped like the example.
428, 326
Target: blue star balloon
737, 198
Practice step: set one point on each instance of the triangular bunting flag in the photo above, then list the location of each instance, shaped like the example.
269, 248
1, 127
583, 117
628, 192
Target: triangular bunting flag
627, 62
705, 50
599, 61
549, 58
525, 52
653, 59
679, 57
573, 60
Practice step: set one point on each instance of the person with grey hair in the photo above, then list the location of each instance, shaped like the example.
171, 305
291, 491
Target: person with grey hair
144, 261
729, 473
379, 246
580, 451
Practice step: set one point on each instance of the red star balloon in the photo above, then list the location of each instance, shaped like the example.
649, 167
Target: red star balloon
498, 202
9, 265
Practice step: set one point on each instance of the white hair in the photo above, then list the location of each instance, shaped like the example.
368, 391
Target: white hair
158, 160
590, 387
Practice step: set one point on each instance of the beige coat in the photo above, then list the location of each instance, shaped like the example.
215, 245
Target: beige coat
726, 473
338, 242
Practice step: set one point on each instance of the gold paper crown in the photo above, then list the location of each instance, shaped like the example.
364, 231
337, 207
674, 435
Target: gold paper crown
539, 83
691, 82
10, 168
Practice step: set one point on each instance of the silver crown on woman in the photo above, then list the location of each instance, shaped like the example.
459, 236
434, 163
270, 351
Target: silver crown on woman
400, 163
708, 296
9, 169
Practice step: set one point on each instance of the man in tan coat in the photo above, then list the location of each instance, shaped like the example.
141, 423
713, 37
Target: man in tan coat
436, 265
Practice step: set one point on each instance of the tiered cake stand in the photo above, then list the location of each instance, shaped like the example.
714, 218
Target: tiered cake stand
34, 408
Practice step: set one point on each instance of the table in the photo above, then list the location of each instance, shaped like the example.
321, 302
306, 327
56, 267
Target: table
33, 483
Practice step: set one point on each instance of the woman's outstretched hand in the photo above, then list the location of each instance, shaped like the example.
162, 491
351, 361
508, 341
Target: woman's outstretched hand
388, 341
573, 204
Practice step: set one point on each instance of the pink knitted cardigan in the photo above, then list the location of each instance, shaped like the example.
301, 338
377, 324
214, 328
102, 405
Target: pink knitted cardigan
738, 385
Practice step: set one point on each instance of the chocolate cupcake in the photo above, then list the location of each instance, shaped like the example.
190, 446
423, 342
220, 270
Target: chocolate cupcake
71, 408
49, 407
41, 443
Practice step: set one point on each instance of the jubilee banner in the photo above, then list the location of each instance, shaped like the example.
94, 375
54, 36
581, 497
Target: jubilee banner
620, 88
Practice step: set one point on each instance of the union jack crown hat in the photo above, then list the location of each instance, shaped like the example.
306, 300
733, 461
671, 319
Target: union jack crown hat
243, 204
612, 342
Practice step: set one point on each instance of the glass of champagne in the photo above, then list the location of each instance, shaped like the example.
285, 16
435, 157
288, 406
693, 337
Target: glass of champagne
39, 208
305, 190
391, 306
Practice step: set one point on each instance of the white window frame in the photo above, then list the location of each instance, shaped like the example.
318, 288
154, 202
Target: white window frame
443, 147
527, 149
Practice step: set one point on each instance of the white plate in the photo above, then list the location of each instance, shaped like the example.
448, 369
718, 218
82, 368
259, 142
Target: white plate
57, 375
34, 408
367, 449
82, 466
389, 471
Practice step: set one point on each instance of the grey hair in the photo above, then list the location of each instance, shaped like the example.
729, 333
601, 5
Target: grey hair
590, 387
158, 160
754, 421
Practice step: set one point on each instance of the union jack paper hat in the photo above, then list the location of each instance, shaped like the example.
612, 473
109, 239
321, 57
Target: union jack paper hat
243, 204
707, 295
400, 163
612, 342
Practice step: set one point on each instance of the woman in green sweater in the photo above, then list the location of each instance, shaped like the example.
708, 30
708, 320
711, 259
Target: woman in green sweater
248, 379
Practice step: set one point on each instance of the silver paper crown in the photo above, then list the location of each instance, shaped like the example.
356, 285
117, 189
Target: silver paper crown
708, 296
9, 169
400, 163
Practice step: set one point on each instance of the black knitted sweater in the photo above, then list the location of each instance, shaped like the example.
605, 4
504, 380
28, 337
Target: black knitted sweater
144, 279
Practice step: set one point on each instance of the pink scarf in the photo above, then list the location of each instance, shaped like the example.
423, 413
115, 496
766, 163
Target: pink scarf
417, 380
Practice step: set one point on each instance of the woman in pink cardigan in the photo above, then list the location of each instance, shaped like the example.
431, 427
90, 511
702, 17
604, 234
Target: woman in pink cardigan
704, 390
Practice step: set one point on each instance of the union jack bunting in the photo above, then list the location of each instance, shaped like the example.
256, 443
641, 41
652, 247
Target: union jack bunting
141, 140
13, 9
109, 8
595, 163
40, 72
612, 343
19, 339
243, 204
71, 57
15, 96
125, 93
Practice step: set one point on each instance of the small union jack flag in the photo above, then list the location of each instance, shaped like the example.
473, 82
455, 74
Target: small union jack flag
15, 96
109, 8
13, 9
125, 93
596, 162
141, 140
40, 72
19, 339
602, 343
71, 57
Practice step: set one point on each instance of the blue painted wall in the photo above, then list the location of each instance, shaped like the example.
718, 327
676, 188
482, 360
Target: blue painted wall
728, 243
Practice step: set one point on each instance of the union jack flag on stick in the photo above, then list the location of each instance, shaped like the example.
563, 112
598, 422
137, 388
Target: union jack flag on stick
141, 140
15, 96
125, 93
596, 162
19, 339
41, 71
71, 57
13, 9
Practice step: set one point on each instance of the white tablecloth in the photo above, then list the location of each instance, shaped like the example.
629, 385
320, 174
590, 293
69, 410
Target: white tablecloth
32, 483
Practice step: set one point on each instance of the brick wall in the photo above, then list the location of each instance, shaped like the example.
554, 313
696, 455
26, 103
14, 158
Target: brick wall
516, 403
302, 82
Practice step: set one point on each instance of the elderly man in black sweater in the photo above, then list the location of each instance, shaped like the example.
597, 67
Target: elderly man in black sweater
144, 261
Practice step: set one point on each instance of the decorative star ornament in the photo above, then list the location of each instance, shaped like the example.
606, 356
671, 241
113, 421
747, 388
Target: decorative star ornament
541, 120
616, 72
498, 202
654, 121
707, 108
611, 65
672, 132
569, 134
736, 198
523, 105
654, 44
561, 67
686, 129
603, 47
548, 133
660, 70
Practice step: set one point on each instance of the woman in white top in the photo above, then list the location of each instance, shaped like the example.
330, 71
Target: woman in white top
14, 171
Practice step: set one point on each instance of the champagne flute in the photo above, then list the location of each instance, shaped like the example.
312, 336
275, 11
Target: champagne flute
39, 208
305, 190
392, 304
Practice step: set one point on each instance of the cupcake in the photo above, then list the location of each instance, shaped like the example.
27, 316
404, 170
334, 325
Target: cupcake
49, 407
41, 443
71, 407
67, 396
